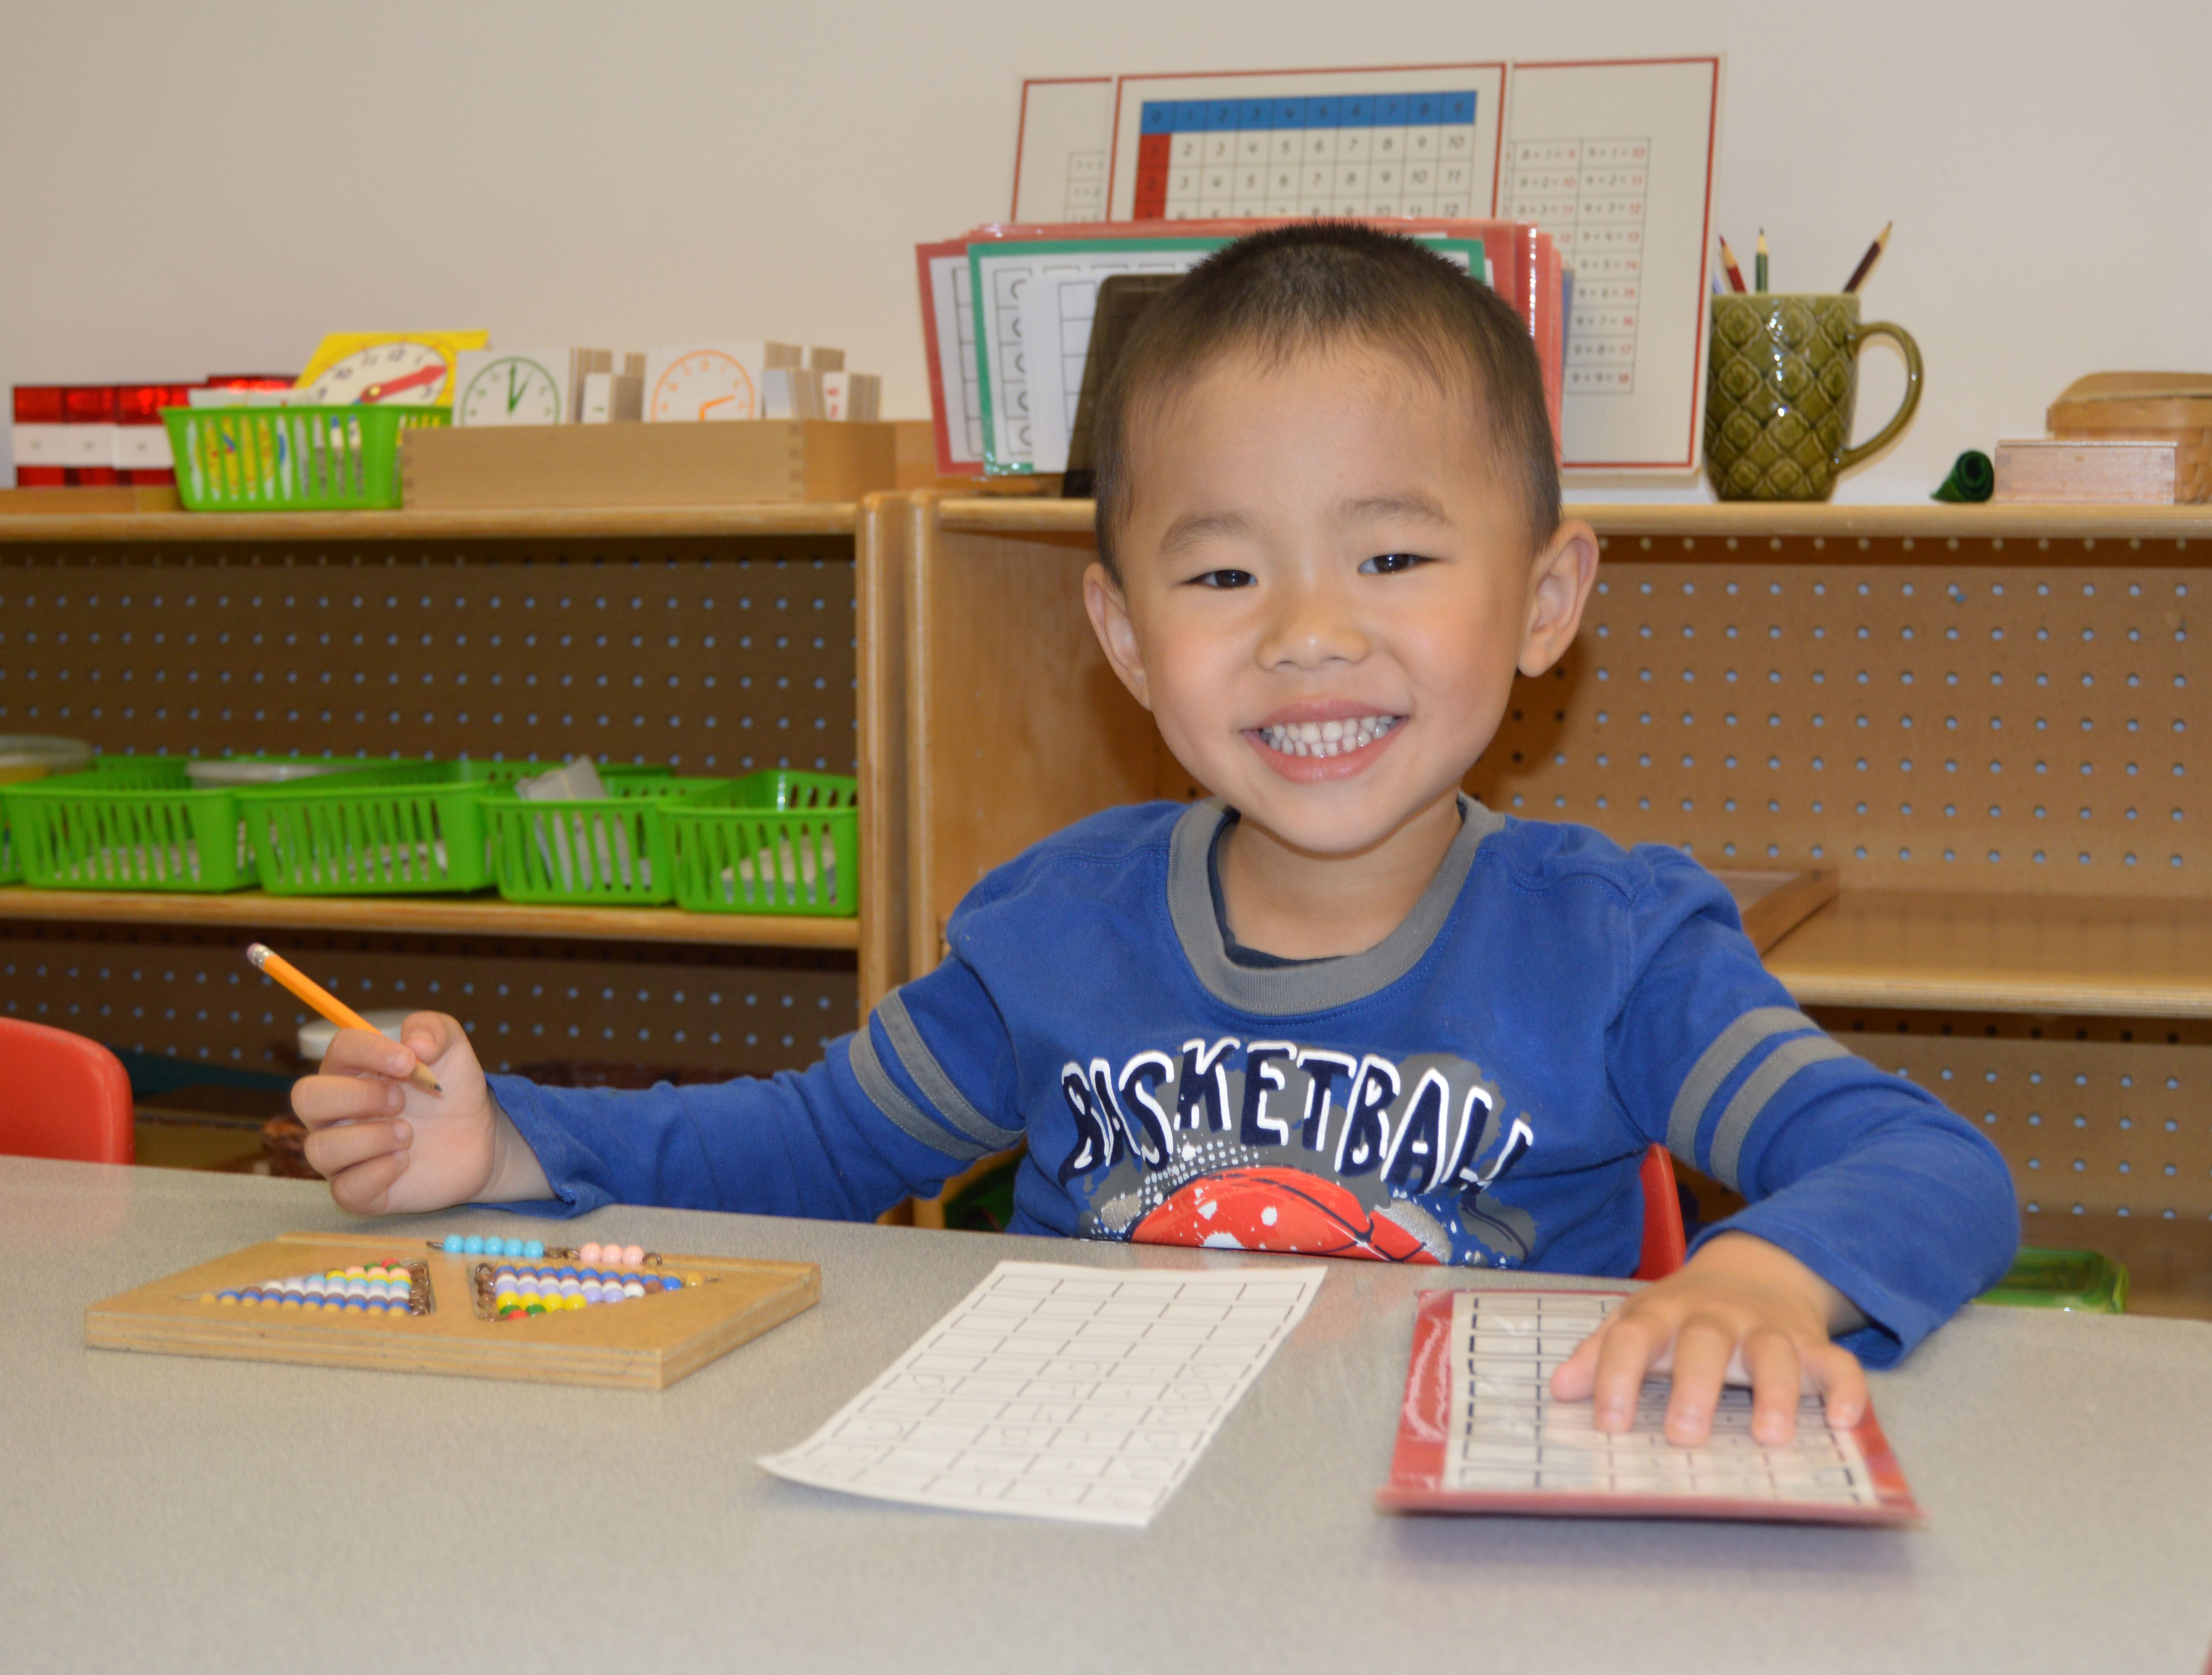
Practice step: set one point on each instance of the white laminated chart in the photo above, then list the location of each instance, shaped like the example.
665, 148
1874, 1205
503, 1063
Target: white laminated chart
949, 309
1012, 284
1061, 150
1082, 1394
1616, 160
1590, 196
1029, 335
1481, 1432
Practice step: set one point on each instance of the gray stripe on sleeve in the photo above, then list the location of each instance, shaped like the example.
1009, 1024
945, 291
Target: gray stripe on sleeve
929, 1076
1759, 1086
1716, 1064
884, 1093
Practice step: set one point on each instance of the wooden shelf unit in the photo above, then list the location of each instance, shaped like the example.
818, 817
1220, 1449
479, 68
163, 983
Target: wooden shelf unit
1986, 719
427, 916
140, 529
706, 634
1744, 521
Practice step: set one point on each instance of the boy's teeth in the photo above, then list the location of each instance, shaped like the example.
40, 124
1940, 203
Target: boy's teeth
1326, 738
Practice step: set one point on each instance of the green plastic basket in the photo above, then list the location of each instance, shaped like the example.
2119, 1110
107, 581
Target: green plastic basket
349, 839
2083, 1282
102, 772
79, 833
779, 842
480, 771
611, 852
291, 459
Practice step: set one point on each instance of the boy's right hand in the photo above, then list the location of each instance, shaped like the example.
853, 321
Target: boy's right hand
386, 1146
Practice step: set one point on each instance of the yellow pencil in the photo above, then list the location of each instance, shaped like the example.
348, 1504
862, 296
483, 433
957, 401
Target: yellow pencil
266, 960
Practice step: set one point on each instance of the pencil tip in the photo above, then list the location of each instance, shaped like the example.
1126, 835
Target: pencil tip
257, 951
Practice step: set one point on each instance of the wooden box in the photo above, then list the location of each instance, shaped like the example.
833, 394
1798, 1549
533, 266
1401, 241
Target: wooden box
2145, 406
742, 462
2067, 473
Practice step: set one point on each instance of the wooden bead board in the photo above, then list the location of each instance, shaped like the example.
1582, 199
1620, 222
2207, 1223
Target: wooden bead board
647, 1343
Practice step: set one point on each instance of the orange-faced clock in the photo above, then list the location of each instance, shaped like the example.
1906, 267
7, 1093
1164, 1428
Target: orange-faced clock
720, 380
416, 367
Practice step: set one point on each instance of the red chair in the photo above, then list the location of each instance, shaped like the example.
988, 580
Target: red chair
62, 1096
1664, 1246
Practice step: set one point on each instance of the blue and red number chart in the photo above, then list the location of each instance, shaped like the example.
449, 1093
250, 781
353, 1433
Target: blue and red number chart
1375, 143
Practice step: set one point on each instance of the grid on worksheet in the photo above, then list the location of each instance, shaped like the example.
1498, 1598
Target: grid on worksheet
1046, 1391
1508, 1435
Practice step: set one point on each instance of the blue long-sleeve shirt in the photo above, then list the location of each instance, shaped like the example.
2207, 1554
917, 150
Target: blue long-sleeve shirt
1479, 1088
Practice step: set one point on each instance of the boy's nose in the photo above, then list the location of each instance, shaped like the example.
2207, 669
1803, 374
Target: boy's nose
1310, 627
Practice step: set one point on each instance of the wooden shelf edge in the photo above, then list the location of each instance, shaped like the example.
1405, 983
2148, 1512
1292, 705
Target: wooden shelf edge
1776, 518
428, 916
1929, 521
781, 518
1907, 993
2056, 955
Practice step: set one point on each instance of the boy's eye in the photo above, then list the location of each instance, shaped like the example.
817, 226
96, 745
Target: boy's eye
1389, 564
1226, 579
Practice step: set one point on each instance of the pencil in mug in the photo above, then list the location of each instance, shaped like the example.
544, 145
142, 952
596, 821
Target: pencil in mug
1735, 273
266, 960
1866, 262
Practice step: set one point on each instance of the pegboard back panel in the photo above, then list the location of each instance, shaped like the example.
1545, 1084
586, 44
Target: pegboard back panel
720, 654
191, 994
1976, 723
2096, 1117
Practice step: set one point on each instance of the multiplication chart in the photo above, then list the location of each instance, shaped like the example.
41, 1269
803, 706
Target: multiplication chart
1481, 1432
1060, 149
1082, 1394
1590, 196
1390, 153
1404, 141
1615, 161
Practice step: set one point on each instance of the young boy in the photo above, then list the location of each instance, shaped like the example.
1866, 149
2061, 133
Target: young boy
1341, 1008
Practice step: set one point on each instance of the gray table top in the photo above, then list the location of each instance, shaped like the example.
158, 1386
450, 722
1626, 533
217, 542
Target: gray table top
162, 1512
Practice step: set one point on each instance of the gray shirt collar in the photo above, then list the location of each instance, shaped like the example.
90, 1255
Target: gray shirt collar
1321, 987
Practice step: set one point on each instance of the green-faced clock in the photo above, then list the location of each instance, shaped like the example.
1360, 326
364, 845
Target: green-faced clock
510, 387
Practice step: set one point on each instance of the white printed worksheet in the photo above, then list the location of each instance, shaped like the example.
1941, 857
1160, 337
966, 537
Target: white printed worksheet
1084, 1394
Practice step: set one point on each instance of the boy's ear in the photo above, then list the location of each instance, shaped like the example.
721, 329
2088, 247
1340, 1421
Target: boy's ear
1117, 634
1558, 586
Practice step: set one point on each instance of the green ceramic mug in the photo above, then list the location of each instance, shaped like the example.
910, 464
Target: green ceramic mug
1779, 391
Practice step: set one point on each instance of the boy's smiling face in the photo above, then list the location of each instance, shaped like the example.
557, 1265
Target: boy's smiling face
1326, 588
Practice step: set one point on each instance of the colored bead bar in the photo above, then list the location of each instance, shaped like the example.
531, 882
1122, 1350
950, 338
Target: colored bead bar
376, 1288
454, 1245
592, 1255
509, 1291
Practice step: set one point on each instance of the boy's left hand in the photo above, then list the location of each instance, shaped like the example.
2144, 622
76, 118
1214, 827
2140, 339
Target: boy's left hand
1740, 1311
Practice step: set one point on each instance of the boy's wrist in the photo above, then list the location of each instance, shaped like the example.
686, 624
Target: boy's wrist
516, 1174
1759, 1261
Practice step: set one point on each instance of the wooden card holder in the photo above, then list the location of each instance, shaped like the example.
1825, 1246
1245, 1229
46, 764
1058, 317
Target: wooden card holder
742, 462
647, 1343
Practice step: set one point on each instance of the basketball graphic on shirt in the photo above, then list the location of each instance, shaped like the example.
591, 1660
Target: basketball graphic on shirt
1277, 1209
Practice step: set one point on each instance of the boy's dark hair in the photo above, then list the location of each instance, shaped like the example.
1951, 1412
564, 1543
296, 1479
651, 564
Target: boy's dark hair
1315, 285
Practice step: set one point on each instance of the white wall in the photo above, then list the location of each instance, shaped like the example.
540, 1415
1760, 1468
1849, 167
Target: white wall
211, 186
